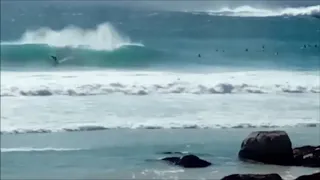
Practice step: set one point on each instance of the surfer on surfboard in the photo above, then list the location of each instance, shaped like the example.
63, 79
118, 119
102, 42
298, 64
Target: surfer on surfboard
55, 60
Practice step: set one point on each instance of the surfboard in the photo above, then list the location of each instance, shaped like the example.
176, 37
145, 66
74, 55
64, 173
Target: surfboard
65, 59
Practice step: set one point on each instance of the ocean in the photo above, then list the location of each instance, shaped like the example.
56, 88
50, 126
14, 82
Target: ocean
137, 79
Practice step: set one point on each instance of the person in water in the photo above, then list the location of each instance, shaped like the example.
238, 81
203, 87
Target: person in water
55, 60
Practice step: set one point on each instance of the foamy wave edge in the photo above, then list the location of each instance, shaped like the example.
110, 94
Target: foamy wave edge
248, 11
30, 149
170, 88
155, 127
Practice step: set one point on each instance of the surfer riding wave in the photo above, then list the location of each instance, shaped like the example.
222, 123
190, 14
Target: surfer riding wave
56, 62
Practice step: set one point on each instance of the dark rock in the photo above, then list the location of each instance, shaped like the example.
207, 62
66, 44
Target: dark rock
172, 160
188, 161
252, 177
192, 161
308, 156
270, 147
315, 176
170, 152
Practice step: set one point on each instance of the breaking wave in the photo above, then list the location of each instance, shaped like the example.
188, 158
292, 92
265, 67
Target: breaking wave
248, 11
154, 127
145, 83
30, 149
103, 46
103, 37
170, 88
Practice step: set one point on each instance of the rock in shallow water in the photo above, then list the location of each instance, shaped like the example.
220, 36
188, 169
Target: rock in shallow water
315, 176
308, 156
270, 147
252, 177
188, 161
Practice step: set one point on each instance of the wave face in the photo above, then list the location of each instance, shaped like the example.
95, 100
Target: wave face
73, 46
38, 55
248, 11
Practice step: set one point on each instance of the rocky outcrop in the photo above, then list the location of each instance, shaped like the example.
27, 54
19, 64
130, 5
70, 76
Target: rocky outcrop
270, 147
274, 147
308, 156
315, 176
252, 177
187, 161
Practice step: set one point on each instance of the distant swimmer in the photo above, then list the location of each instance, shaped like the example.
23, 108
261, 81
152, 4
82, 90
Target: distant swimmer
55, 60
199, 55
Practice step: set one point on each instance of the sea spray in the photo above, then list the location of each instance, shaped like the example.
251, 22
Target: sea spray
103, 37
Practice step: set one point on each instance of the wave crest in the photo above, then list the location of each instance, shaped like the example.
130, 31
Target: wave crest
147, 127
248, 11
170, 88
30, 149
103, 37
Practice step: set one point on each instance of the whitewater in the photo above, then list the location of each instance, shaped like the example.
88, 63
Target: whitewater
144, 83
249, 11
136, 81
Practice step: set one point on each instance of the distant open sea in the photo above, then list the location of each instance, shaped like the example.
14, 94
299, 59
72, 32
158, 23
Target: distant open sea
133, 82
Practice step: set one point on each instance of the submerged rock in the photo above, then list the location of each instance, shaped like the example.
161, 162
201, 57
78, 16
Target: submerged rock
188, 161
315, 176
308, 156
270, 147
252, 177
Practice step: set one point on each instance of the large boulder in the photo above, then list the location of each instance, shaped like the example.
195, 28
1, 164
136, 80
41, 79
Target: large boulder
187, 161
252, 177
308, 156
270, 147
315, 176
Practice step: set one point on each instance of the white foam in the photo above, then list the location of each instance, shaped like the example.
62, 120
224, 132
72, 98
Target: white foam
103, 37
144, 83
30, 149
249, 11
172, 100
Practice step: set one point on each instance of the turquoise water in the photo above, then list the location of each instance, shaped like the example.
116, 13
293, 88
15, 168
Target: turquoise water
111, 154
118, 37
138, 79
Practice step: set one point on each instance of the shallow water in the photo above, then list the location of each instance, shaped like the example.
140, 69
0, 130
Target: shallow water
112, 154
